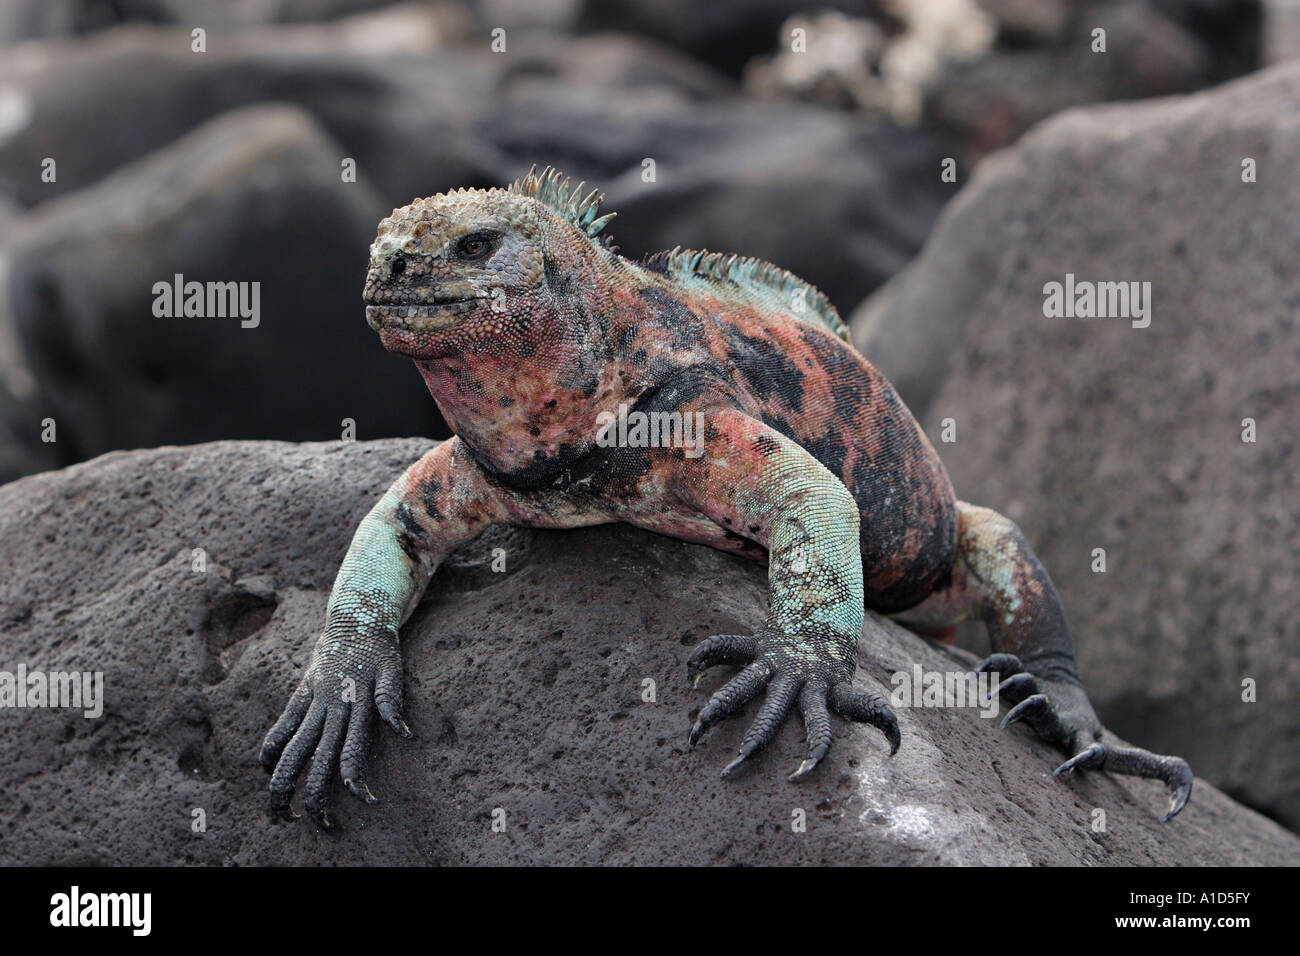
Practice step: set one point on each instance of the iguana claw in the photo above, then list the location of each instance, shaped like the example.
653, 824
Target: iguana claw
1035, 706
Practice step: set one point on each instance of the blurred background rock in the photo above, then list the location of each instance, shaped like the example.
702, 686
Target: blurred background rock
811, 134
225, 165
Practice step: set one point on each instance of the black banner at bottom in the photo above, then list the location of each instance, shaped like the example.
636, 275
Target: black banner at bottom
337, 905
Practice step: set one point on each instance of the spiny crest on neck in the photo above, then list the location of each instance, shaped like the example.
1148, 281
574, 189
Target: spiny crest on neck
556, 191
747, 272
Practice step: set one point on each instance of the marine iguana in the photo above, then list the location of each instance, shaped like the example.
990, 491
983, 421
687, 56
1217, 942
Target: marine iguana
530, 330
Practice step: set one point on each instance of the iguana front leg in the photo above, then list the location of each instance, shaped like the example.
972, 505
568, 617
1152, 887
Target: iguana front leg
438, 503
755, 482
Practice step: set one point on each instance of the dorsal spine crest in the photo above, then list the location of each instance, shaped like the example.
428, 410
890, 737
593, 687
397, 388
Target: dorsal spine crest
747, 270
557, 192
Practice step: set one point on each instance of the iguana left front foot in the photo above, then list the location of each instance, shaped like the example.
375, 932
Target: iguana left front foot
1061, 714
815, 673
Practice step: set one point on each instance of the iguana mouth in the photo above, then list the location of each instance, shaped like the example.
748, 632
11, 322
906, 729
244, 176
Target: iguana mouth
421, 317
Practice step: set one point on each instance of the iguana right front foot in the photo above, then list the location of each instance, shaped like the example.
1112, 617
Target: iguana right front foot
438, 503
354, 672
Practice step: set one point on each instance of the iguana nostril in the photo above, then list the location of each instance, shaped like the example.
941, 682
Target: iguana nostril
397, 267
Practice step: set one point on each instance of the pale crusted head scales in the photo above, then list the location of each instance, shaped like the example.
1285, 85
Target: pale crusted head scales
425, 226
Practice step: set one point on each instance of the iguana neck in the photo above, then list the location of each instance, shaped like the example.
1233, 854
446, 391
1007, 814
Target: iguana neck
535, 393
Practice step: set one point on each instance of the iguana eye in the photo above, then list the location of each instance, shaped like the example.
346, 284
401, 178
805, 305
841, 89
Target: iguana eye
397, 266
476, 245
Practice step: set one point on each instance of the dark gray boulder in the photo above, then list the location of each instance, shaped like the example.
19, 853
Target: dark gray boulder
255, 197
726, 33
1044, 61
525, 690
37, 19
416, 108
406, 117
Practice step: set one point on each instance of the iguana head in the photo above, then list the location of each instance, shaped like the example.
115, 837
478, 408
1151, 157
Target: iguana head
505, 298
481, 270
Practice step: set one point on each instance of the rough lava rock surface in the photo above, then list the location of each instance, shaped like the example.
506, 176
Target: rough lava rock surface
524, 689
1094, 434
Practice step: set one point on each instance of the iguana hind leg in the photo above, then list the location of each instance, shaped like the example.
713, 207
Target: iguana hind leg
998, 579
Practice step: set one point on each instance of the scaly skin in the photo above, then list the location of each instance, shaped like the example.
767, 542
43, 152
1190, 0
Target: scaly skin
531, 333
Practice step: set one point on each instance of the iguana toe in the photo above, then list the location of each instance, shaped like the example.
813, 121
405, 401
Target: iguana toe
781, 694
817, 725
865, 708
1134, 761
731, 697
720, 649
